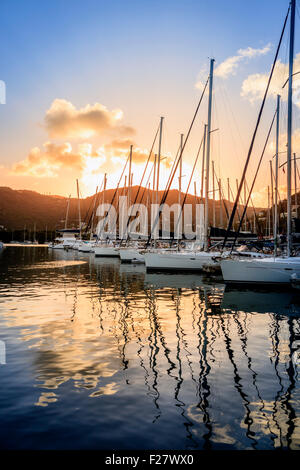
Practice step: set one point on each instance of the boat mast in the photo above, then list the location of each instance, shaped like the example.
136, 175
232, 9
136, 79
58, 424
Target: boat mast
221, 200
295, 177
79, 212
208, 153
93, 214
289, 128
203, 162
268, 218
158, 158
180, 170
154, 196
129, 176
67, 213
213, 190
228, 189
272, 198
275, 230
245, 203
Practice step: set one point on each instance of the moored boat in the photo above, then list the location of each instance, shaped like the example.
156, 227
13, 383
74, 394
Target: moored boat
185, 261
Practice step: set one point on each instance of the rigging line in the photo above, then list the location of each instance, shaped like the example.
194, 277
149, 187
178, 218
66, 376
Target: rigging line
173, 165
143, 175
173, 171
146, 185
254, 134
253, 207
222, 195
188, 187
91, 208
238, 212
253, 182
97, 195
176, 166
115, 192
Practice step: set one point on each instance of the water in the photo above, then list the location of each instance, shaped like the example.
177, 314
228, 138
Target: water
105, 356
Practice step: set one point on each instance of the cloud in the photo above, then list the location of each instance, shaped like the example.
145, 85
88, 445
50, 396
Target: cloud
229, 66
47, 162
121, 148
86, 162
254, 85
63, 120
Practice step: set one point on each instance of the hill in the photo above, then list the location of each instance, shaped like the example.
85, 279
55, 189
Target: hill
20, 208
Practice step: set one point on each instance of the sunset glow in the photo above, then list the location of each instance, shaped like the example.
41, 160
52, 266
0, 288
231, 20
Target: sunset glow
98, 104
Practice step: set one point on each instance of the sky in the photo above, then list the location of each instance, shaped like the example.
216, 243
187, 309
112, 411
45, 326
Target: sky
85, 79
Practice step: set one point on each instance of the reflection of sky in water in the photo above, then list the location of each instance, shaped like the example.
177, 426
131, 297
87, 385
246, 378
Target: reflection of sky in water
107, 356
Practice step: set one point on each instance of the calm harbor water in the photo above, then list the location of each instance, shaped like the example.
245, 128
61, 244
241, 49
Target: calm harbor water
105, 356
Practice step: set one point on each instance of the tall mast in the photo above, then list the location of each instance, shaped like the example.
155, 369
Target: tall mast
125, 185
295, 176
268, 219
213, 190
103, 194
228, 189
290, 129
245, 203
158, 157
67, 213
272, 198
180, 170
148, 196
220, 197
154, 195
208, 153
275, 230
203, 162
79, 211
93, 214
129, 176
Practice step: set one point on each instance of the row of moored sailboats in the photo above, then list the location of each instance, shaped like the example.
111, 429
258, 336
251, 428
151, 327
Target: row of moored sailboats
237, 265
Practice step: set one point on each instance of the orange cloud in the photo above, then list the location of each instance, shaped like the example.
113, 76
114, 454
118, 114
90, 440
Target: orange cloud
63, 120
48, 161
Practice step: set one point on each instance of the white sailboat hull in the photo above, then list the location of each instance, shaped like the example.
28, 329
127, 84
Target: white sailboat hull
128, 255
86, 247
106, 251
260, 270
180, 261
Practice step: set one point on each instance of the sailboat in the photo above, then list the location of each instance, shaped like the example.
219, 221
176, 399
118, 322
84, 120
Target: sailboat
106, 247
189, 260
276, 269
133, 251
130, 252
87, 246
